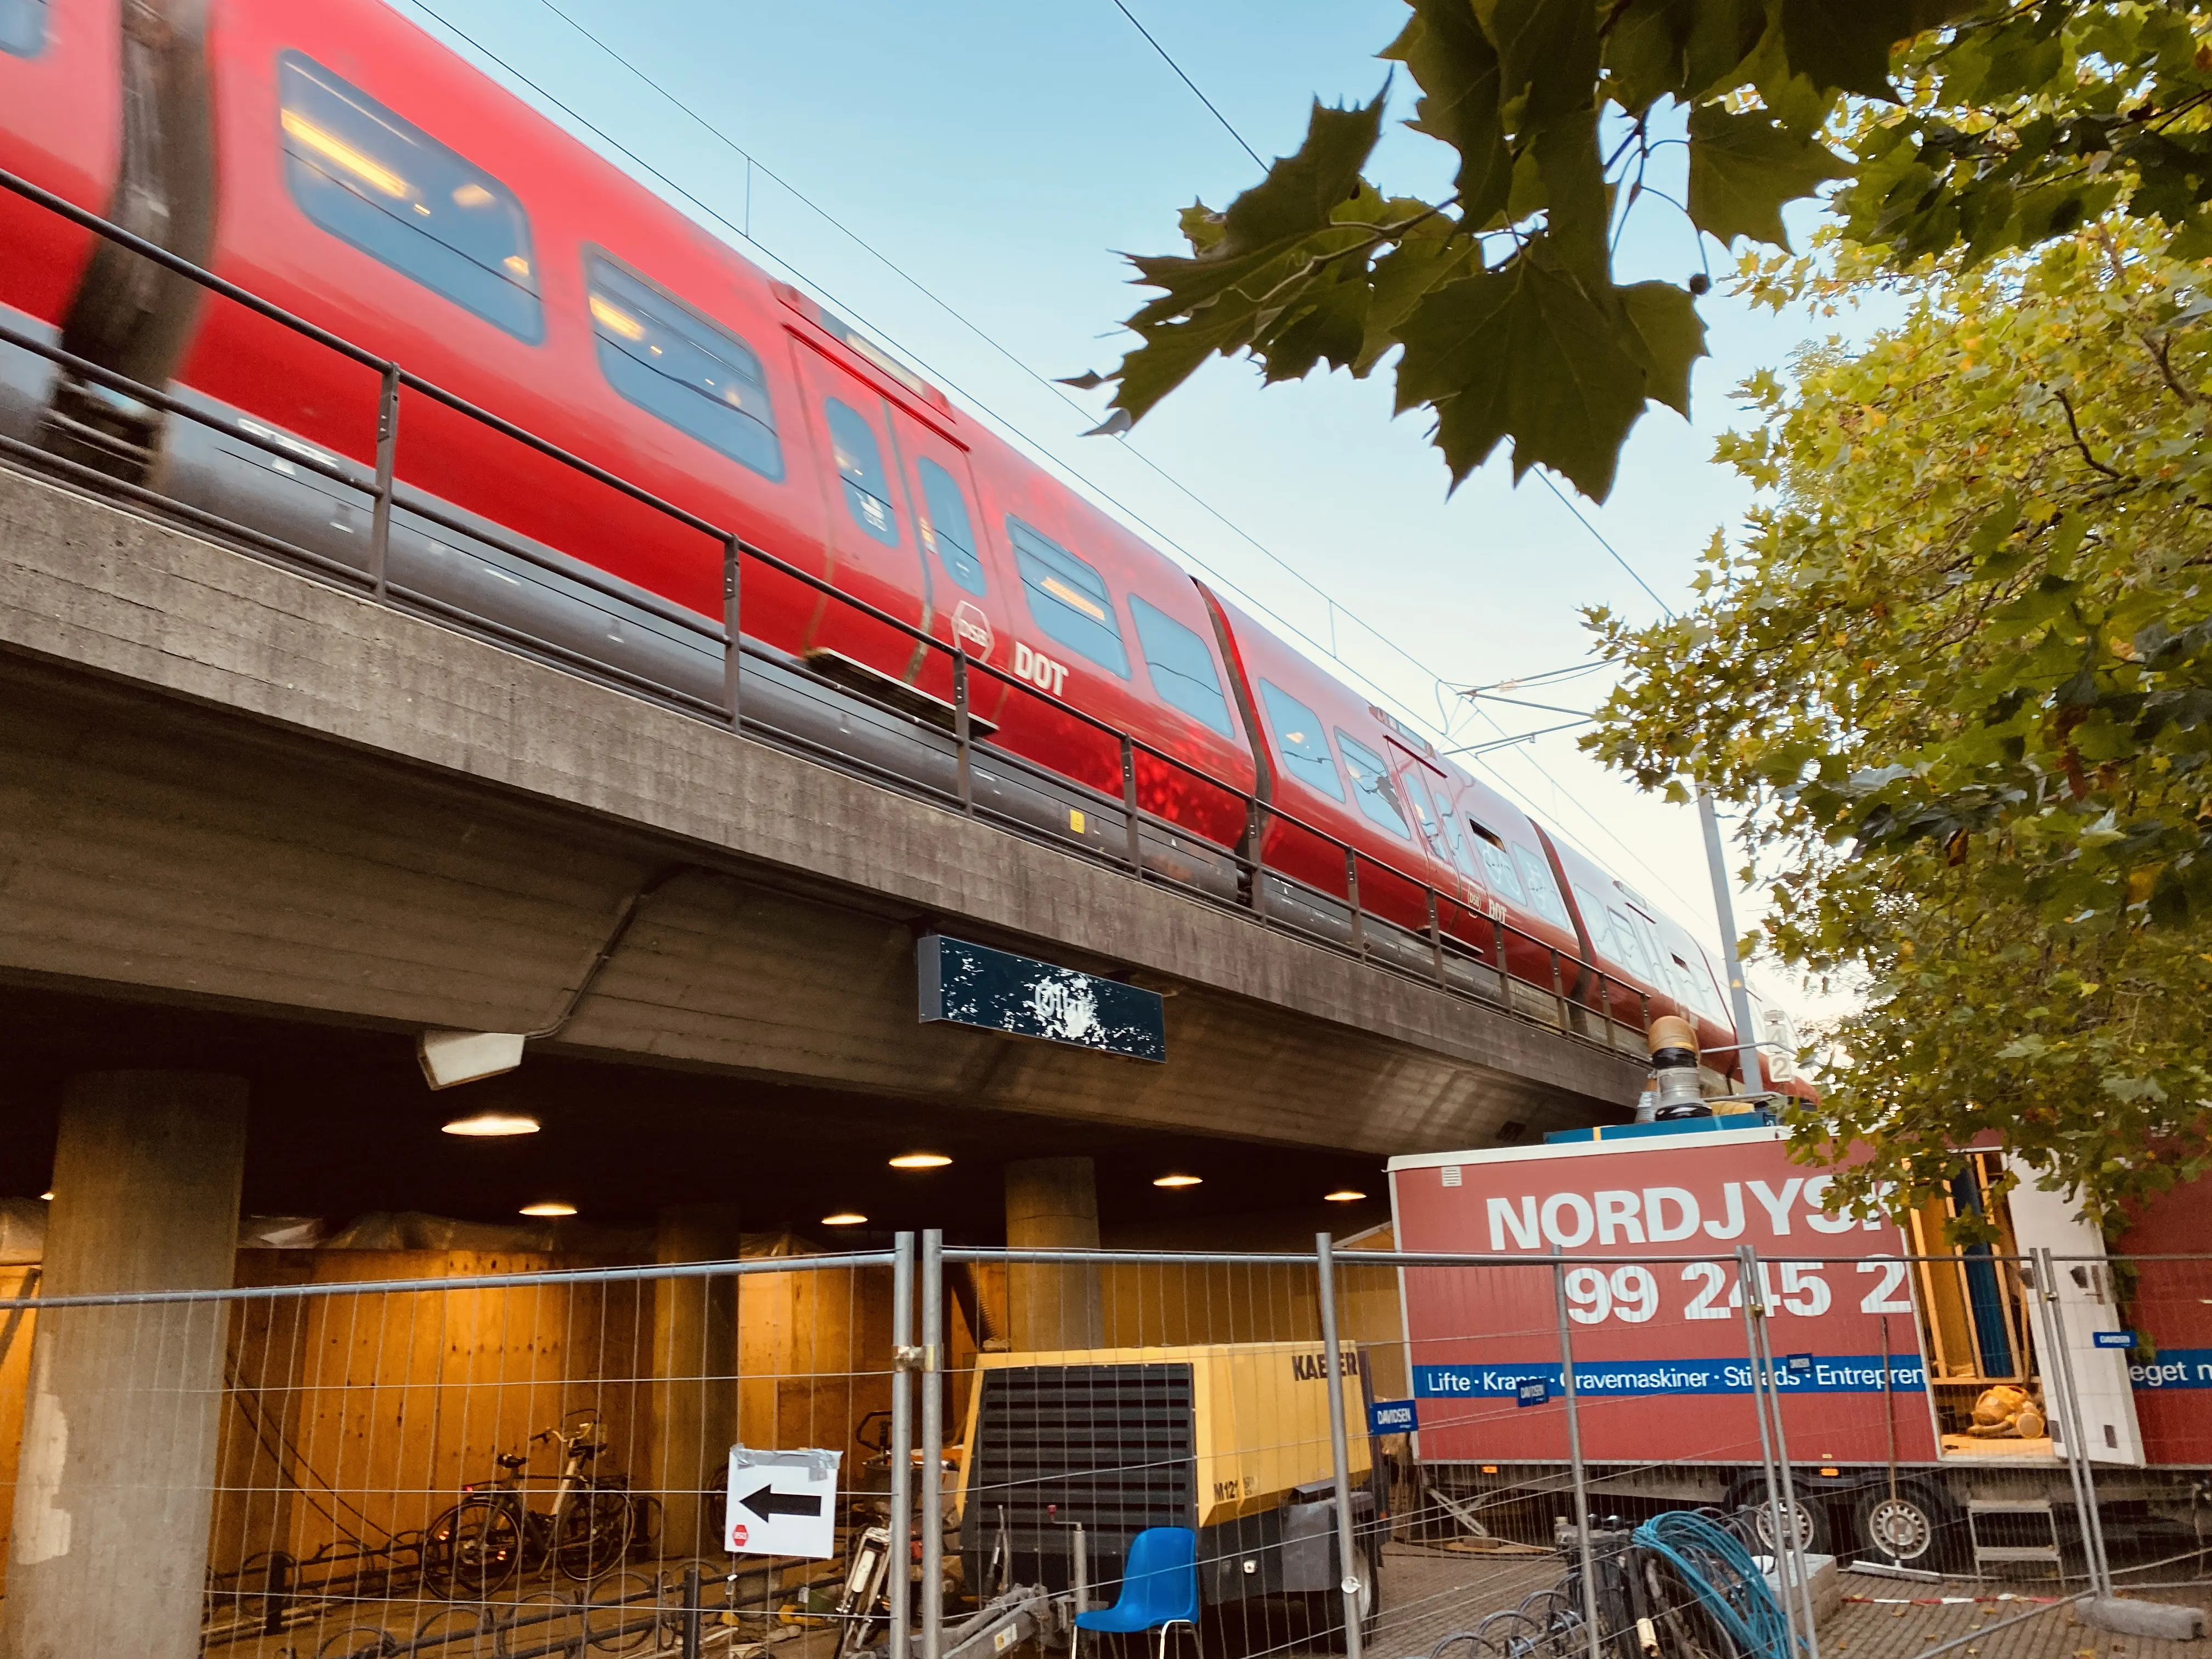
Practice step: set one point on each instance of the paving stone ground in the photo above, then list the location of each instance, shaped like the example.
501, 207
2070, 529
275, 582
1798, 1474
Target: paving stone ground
1428, 1593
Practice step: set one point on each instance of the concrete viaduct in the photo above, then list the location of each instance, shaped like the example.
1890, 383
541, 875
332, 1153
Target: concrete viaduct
227, 784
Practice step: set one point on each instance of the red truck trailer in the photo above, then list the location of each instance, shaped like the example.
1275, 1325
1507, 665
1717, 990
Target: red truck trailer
1885, 1339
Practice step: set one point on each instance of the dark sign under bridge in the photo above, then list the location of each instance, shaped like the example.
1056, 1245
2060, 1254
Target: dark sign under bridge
997, 991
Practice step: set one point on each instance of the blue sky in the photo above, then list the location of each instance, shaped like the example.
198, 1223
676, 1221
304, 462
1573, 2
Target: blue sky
997, 155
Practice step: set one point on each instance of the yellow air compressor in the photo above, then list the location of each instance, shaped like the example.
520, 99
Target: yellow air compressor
1068, 1456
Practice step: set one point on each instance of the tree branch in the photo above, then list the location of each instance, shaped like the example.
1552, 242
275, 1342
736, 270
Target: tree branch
2159, 346
2080, 442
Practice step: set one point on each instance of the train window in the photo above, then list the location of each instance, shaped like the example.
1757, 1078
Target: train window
1181, 667
1504, 880
670, 362
1600, 920
399, 196
1457, 842
1298, 739
1647, 936
23, 26
1624, 946
946, 529
1454, 844
1689, 991
1371, 784
1068, 599
860, 460
1543, 891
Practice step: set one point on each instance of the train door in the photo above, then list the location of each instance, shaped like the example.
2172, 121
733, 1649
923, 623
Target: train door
964, 583
2088, 1305
874, 550
1423, 794
1655, 959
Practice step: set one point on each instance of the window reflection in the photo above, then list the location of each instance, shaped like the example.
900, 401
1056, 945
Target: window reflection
383, 185
667, 359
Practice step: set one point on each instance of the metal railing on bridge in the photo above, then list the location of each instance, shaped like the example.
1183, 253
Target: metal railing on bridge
1437, 936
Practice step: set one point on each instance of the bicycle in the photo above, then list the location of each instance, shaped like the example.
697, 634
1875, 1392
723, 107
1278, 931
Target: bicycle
476, 1548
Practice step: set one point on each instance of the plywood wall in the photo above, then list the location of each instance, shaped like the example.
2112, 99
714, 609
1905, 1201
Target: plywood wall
360, 1416
16, 1328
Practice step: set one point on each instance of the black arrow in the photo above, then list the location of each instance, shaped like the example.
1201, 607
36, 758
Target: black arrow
767, 1502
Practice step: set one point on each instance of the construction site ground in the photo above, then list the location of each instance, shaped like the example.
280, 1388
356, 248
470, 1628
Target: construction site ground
1430, 1592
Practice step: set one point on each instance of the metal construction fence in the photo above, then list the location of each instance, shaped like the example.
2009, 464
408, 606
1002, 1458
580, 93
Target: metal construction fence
1371, 1452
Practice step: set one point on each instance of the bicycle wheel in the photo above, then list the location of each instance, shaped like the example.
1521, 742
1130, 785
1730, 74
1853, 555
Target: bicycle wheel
593, 1532
472, 1550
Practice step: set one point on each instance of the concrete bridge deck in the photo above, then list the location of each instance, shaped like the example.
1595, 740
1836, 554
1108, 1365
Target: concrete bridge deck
227, 782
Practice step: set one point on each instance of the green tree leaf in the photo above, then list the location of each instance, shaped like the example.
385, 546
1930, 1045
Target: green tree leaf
1302, 192
1580, 207
1427, 259
1643, 50
1743, 167
1847, 45
1547, 52
1972, 126
1668, 338
1523, 352
1457, 69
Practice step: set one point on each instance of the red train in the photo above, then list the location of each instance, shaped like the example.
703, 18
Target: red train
338, 162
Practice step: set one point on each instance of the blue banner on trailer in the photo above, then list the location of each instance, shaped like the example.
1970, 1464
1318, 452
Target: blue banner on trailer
2174, 1367
1617, 1378
997, 991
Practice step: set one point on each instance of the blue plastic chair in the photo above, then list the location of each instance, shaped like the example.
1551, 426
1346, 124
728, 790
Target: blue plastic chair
1159, 1590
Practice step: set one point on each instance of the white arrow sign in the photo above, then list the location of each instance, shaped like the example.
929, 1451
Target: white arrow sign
782, 1503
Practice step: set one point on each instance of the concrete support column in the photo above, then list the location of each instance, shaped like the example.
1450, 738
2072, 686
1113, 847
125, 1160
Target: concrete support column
695, 1356
113, 1494
1052, 1204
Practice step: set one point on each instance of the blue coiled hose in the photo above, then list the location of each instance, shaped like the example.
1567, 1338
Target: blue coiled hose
1713, 1562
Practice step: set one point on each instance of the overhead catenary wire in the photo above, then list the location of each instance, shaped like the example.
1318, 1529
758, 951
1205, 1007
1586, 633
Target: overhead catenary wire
1443, 726
1635, 576
1212, 108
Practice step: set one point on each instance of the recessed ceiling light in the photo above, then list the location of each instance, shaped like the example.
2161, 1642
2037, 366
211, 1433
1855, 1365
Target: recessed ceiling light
920, 1161
493, 1123
1177, 1179
550, 1207
1342, 1195
844, 1219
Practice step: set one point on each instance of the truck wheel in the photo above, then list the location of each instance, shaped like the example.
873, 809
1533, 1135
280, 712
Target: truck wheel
1325, 1609
1807, 1520
1370, 1561
1918, 1528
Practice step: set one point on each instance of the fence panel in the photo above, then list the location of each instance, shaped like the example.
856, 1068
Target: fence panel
527, 1454
1099, 1398
493, 1461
